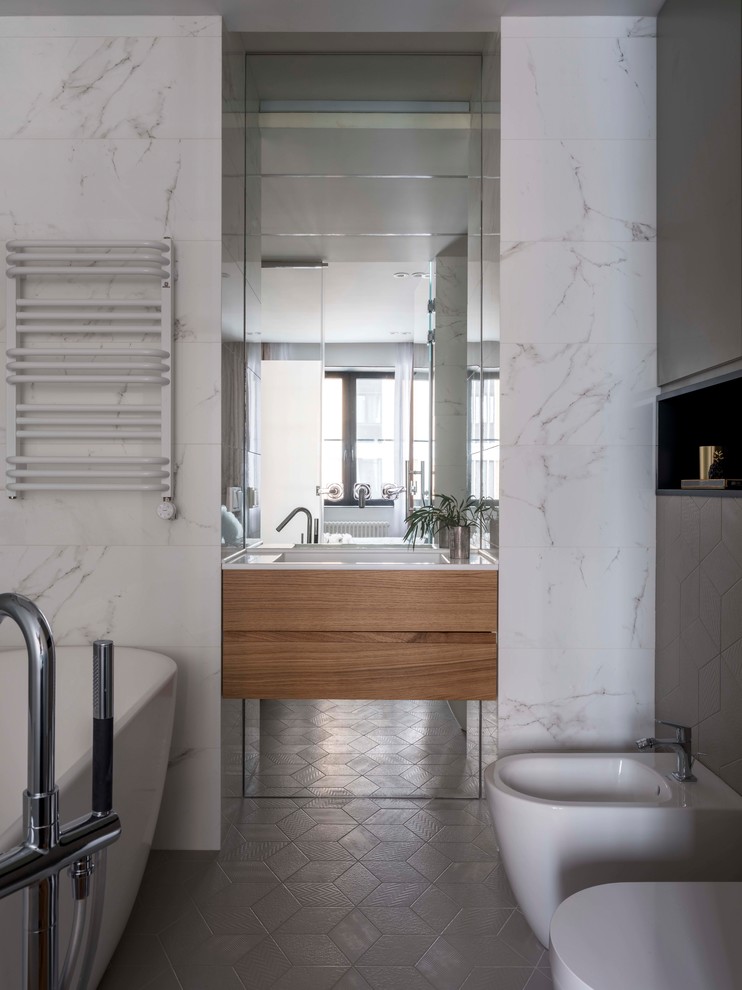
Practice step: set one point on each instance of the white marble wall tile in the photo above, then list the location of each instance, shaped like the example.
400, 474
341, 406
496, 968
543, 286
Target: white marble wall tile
575, 699
116, 189
118, 518
577, 496
570, 190
197, 382
578, 27
577, 393
107, 26
198, 714
152, 597
197, 291
110, 87
190, 815
555, 102
597, 292
597, 598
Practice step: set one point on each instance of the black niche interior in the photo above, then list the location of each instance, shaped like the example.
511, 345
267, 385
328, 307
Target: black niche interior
697, 416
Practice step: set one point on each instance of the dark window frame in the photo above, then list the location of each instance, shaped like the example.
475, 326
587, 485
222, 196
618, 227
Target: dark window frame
350, 435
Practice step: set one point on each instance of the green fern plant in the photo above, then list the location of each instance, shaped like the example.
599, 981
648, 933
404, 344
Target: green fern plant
445, 512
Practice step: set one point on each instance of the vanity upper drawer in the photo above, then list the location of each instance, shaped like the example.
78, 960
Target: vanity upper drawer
402, 600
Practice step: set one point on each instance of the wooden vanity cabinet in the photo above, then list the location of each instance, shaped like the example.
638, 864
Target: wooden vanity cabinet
360, 633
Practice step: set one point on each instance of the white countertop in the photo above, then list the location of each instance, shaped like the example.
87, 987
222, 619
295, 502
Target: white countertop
331, 556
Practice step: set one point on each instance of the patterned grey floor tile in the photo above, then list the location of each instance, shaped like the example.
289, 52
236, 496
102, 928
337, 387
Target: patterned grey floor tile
219, 950
481, 921
311, 950
326, 871
539, 980
256, 851
260, 832
466, 873
473, 895
209, 978
396, 950
310, 978
394, 978
287, 861
275, 908
429, 862
297, 824
179, 938
357, 883
393, 850
518, 935
397, 921
229, 911
262, 966
121, 977
391, 833
359, 841
354, 934
314, 920
352, 980
361, 809
502, 978
444, 966
318, 851
393, 871
394, 895
329, 831
318, 895
165, 981
462, 852
248, 871
436, 908
331, 816
489, 951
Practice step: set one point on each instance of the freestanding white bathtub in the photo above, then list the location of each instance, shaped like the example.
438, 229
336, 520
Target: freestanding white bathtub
144, 705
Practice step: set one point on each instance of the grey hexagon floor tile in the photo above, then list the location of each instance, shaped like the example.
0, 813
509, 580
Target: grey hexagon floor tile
311, 950
394, 978
424, 825
354, 934
317, 851
393, 871
229, 911
481, 921
287, 861
324, 871
394, 895
359, 841
396, 950
473, 872
314, 920
429, 861
540, 980
444, 966
188, 931
357, 883
219, 950
397, 921
275, 908
436, 908
351, 980
209, 978
393, 850
262, 966
501, 978
391, 833
490, 951
361, 809
518, 935
318, 895
310, 978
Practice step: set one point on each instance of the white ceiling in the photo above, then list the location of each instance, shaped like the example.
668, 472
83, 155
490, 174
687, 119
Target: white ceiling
343, 15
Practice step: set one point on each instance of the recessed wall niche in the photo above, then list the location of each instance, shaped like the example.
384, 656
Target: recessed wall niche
695, 416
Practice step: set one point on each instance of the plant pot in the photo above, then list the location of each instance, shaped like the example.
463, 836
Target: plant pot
458, 543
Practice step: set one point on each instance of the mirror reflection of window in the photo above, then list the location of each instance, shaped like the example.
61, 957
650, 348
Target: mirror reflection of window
484, 438
358, 431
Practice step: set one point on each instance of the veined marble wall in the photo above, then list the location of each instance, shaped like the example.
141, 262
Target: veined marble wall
578, 276
113, 130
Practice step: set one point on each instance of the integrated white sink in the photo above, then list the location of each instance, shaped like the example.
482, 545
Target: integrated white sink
327, 555
590, 779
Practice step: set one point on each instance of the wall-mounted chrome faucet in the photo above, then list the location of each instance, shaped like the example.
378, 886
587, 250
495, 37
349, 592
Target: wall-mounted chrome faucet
680, 745
35, 865
290, 516
362, 492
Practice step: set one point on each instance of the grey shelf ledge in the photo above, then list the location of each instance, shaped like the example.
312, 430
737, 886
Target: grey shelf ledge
701, 492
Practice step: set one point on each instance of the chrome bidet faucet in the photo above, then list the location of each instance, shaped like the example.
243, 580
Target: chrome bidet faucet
680, 745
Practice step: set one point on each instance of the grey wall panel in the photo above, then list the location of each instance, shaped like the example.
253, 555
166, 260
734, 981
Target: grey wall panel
699, 187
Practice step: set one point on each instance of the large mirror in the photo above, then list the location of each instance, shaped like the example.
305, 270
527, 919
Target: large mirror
372, 371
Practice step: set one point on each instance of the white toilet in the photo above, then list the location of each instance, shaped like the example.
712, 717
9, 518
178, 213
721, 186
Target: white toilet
649, 936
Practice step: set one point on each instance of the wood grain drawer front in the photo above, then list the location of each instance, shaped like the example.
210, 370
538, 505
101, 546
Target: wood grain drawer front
446, 667
445, 601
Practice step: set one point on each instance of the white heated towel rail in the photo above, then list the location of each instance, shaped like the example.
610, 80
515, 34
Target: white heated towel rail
65, 341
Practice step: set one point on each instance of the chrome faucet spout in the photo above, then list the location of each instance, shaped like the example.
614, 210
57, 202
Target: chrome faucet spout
41, 686
290, 516
680, 745
362, 492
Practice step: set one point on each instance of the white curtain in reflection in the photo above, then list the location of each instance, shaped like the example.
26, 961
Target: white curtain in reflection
403, 369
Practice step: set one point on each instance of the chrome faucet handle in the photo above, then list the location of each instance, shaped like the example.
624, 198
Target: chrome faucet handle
682, 732
332, 492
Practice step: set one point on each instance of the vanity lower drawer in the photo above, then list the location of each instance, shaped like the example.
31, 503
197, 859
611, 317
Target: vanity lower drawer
389, 665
